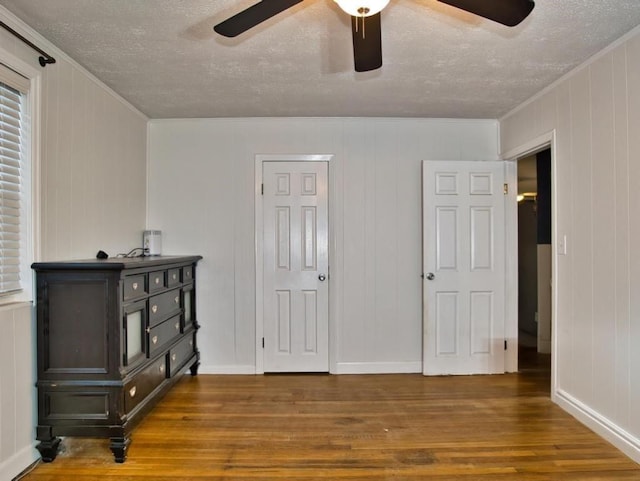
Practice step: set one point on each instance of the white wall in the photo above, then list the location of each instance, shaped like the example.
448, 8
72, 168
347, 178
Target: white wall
93, 168
93, 157
595, 112
92, 196
201, 195
17, 389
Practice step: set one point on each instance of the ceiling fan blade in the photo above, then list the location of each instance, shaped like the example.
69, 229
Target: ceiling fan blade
252, 16
506, 12
367, 42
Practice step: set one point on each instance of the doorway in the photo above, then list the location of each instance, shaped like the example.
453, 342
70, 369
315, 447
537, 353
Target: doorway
534, 261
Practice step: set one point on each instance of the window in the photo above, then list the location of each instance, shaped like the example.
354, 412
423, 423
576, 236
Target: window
14, 179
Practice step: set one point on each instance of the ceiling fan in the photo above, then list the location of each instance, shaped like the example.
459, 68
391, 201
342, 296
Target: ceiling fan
367, 38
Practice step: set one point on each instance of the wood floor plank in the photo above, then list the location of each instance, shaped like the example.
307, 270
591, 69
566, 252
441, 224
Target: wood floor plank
369, 427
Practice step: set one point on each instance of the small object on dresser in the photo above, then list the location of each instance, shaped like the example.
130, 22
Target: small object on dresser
152, 242
102, 255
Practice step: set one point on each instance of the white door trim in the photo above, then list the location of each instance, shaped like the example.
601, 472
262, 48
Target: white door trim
259, 229
545, 140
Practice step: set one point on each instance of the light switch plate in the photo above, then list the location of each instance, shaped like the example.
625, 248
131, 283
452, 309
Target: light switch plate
562, 245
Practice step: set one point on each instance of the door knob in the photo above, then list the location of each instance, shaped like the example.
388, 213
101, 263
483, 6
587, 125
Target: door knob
321, 277
431, 276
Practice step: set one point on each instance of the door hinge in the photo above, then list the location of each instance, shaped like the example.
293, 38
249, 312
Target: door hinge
261, 189
505, 189
505, 344
263, 343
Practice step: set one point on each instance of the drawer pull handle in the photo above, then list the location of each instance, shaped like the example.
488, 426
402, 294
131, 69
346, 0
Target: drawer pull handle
161, 368
173, 357
191, 342
188, 273
177, 299
174, 276
132, 391
177, 326
148, 329
135, 286
154, 339
154, 308
157, 280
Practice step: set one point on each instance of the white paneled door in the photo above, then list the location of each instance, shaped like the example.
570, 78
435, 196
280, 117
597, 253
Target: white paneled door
464, 267
296, 261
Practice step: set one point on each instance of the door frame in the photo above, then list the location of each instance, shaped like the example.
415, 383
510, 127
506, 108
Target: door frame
547, 140
259, 232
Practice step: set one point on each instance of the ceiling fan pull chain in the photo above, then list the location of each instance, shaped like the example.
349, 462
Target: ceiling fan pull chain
362, 13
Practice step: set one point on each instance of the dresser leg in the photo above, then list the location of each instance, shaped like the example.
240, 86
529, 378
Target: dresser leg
194, 368
119, 448
48, 448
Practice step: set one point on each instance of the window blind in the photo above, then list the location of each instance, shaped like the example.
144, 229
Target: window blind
11, 160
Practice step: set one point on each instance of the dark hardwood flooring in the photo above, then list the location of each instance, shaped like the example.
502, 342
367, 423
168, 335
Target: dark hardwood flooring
364, 427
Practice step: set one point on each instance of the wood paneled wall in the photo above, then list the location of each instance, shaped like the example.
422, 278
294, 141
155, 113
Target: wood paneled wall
595, 113
93, 182
17, 389
201, 195
92, 196
92, 157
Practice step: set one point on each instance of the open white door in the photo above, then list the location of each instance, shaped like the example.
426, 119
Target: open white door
464, 267
295, 269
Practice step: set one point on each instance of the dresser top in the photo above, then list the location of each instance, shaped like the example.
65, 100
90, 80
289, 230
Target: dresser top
116, 263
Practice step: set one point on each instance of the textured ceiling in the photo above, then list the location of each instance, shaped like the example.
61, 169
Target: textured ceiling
163, 56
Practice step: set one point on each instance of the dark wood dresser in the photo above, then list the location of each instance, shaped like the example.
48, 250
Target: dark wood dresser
113, 336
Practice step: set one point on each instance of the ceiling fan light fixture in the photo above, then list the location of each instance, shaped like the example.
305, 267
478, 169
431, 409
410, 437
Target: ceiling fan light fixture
362, 8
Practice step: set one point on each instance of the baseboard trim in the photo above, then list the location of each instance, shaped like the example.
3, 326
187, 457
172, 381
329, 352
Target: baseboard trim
227, 369
341, 368
410, 367
621, 439
17, 463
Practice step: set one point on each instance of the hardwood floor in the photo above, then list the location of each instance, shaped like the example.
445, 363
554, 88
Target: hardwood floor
374, 427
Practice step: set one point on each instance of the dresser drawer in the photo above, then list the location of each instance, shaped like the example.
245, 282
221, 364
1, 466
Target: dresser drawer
144, 383
163, 333
187, 274
134, 287
173, 277
180, 354
86, 405
163, 306
157, 281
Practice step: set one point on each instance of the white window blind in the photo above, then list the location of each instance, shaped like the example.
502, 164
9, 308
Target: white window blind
12, 149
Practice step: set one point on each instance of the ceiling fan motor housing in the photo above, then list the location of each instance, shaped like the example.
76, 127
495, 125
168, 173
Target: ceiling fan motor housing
362, 8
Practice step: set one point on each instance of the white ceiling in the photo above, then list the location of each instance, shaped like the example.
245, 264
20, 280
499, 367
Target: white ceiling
163, 56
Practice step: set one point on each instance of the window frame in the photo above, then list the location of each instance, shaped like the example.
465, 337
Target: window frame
30, 208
